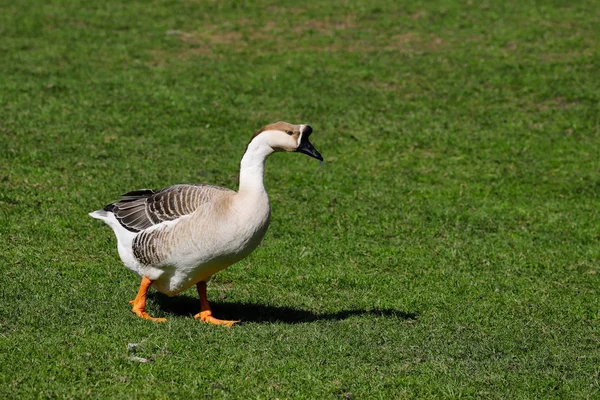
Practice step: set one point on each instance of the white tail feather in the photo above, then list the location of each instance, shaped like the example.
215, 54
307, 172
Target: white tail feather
99, 214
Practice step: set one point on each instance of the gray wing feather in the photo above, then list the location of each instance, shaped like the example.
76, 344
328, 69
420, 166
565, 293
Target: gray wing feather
141, 209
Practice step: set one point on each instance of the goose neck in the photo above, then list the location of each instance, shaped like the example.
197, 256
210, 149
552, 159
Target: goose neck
252, 167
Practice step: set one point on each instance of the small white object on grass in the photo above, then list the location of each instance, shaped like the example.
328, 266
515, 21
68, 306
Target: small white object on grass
139, 359
131, 346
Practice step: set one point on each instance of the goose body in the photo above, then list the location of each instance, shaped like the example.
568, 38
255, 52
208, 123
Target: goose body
181, 235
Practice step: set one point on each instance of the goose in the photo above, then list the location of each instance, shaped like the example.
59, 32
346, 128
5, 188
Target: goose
181, 235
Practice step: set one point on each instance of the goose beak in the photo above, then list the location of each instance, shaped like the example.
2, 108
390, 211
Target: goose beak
305, 146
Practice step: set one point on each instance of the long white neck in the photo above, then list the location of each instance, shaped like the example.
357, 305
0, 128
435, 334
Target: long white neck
252, 166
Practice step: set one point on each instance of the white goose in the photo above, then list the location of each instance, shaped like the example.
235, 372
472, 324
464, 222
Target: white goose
183, 234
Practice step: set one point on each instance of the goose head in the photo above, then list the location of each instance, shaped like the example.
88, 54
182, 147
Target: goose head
282, 136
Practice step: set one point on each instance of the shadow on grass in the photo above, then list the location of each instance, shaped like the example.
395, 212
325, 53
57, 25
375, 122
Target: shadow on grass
247, 312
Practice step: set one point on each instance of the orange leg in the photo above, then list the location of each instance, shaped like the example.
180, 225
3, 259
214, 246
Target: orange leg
205, 313
139, 303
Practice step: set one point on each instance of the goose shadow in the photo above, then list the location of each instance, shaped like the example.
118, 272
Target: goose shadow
183, 305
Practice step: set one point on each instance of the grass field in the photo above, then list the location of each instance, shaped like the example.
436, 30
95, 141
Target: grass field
449, 247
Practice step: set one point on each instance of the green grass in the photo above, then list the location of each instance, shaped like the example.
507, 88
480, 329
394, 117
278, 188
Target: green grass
449, 247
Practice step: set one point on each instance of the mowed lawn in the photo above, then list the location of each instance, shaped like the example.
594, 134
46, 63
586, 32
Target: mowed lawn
448, 247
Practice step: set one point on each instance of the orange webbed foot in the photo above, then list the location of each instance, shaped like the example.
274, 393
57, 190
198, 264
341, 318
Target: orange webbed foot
206, 316
145, 315
140, 312
139, 303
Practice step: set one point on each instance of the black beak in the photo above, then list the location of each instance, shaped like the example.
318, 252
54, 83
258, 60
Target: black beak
306, 147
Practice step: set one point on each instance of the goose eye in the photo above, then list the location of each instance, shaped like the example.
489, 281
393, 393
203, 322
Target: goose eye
289, 132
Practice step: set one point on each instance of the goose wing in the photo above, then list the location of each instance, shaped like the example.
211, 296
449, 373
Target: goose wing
141, 209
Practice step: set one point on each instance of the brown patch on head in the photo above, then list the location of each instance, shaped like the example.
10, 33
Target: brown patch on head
293, 130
